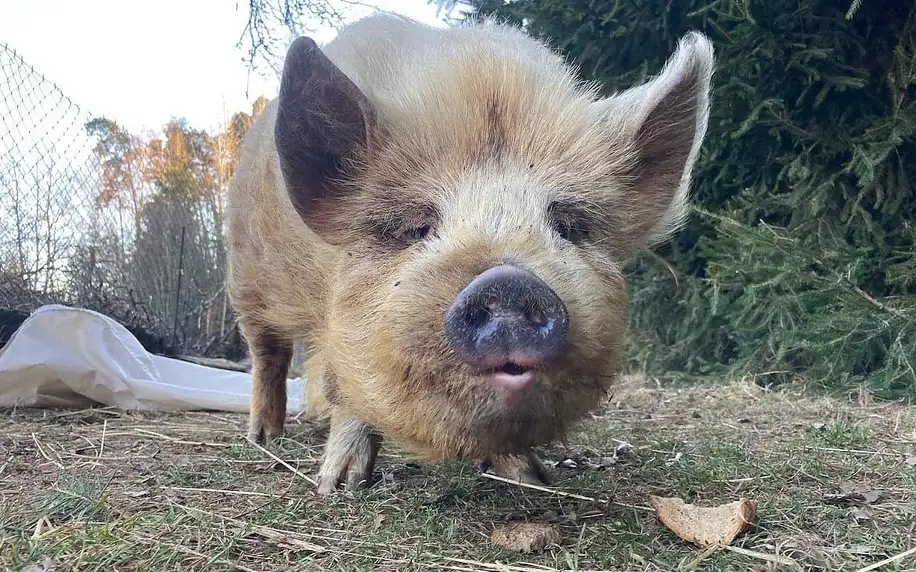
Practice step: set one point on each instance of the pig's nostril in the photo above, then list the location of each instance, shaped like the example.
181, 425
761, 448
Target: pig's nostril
506, 315
478, 317
536, 317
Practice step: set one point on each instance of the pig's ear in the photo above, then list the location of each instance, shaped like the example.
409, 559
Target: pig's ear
323, 121
663, 122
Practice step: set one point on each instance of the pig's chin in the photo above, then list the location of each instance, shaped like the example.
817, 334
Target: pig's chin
513, 408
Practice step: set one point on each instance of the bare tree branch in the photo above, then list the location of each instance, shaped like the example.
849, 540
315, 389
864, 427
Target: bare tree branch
273, 23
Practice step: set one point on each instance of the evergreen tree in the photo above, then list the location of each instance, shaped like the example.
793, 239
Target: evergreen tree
799, 257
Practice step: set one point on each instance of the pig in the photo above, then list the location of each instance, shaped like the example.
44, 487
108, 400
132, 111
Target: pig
441, 217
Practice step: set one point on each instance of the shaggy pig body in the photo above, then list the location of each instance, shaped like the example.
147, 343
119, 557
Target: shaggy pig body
441, 215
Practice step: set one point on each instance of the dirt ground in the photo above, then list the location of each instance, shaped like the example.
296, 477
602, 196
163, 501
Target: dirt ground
834, 482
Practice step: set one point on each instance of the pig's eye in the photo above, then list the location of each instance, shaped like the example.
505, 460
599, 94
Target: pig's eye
418, 233
568, 221
571, 231
406, 233
402, 229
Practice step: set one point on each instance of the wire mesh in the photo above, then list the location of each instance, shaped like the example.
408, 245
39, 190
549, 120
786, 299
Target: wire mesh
95, 217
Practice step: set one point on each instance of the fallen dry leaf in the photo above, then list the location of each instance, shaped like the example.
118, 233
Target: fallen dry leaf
526, 536
704, 526
591, 460
377, 521
587, 459
910, 460
859, 513
853, 494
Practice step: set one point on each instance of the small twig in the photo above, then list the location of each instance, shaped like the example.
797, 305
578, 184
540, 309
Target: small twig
110, 410
284, 463
102, 442
865, 295
701, 557
48, 530
579, 541
180, 441
223, 491
871, 299
564, 494
890, 560
39, 527
253, 461
45, 455
775, 558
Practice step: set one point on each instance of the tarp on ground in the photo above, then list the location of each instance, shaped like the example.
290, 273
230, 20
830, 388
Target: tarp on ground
71, 357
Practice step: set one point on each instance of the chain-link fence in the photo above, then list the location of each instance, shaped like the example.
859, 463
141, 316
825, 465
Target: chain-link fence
95, 217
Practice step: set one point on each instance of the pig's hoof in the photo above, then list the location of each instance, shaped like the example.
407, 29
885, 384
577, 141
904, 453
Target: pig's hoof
349, 456
354, 475
352, 479
528, 469
263, 430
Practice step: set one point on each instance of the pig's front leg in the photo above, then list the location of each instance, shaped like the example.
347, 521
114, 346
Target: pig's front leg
527, 468
270, 358
349, 455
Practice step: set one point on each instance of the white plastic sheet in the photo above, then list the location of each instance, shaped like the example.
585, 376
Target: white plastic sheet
71, 357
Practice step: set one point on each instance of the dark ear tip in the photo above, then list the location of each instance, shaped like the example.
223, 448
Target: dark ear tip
300, 58
302, 45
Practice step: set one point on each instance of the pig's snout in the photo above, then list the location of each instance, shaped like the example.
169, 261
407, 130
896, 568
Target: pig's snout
506, 322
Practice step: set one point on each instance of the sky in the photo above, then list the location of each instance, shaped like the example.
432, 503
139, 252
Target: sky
142, 62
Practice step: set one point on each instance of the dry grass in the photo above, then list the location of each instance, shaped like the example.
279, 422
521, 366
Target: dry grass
108, 490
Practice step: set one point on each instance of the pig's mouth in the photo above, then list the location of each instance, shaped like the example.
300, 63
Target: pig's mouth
512, 368
511, 375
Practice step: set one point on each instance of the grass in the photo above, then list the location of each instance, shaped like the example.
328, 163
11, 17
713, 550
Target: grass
102, 489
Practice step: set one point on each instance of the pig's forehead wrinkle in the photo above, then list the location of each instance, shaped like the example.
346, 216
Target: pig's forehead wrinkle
525, 154
461, 103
